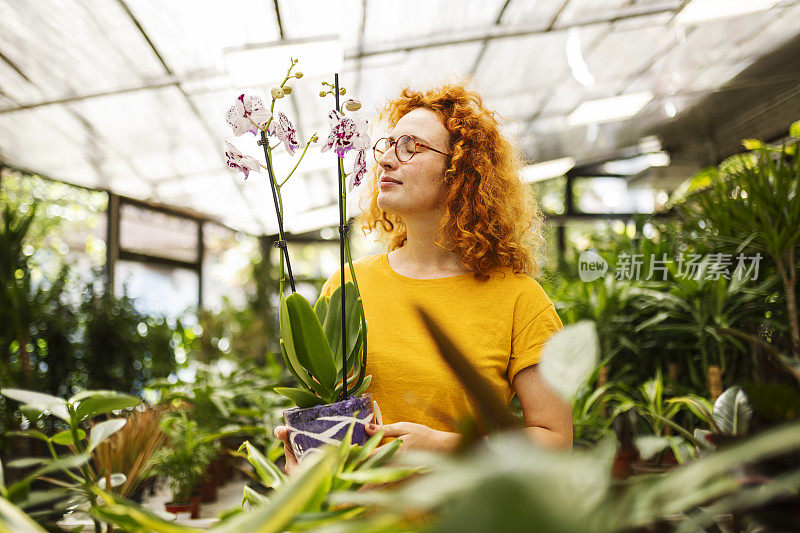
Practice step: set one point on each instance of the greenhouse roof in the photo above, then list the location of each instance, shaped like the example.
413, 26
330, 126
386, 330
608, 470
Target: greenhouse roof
130, 95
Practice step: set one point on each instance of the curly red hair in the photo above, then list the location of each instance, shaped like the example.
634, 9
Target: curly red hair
491, 219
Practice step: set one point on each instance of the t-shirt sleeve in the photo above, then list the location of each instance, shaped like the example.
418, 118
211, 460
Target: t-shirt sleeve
529, 340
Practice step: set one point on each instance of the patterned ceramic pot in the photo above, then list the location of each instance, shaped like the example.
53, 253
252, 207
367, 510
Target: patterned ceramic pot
312, 427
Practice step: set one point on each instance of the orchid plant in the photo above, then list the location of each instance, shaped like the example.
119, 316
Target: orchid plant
320, 346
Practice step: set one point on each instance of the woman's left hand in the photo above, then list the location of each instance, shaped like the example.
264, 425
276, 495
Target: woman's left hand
417, 436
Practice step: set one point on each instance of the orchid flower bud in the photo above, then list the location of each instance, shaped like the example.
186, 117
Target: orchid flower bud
322, 94
342, 91
352, 105
277, 92
298, 74
287, 89
314, 138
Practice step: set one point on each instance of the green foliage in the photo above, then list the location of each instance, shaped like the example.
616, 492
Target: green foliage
185, 460
52, 343
312, 347
76, 489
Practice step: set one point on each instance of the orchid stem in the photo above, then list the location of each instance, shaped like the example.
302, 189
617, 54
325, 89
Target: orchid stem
279, 211
298, 161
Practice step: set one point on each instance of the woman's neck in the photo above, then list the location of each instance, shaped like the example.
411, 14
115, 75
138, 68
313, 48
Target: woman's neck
420, 251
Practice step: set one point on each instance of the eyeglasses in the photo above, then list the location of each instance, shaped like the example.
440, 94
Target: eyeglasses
404, 148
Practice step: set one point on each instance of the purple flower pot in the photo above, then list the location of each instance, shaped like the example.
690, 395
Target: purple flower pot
313, 427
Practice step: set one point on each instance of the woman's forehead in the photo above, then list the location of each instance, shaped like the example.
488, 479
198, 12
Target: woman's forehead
422, 123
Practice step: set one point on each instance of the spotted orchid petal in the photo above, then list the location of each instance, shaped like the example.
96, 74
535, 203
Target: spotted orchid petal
361, 140
248, 113
285, 131
346, 134
236, 160
359, 169
341, 135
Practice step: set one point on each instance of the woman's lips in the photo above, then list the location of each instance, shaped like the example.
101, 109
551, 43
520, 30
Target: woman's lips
386, 182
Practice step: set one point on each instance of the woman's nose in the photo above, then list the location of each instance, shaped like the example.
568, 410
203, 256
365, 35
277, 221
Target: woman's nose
388, 159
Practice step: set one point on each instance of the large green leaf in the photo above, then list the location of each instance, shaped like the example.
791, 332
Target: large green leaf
274, 516
333, 321
732, 411
40, 401
321, 308
104, 402
302, 398
569, 357
289, 343
103, 430
310, 344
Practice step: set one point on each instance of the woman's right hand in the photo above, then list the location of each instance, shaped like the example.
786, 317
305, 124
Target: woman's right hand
282, 433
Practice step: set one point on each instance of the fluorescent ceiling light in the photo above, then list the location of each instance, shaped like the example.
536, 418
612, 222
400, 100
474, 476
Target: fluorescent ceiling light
255, 65
699, 11
609, 109
547, 169
634, 165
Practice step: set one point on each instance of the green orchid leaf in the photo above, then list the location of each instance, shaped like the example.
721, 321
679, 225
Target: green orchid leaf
64, 438
302, 398
321, 308
288, 348
333, 321
310, 344
294, 370
360, 390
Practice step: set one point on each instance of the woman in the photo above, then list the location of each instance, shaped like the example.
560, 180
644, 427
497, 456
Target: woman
464, 239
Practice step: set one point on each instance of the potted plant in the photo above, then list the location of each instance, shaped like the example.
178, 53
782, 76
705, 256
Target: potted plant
325, 346
183, 463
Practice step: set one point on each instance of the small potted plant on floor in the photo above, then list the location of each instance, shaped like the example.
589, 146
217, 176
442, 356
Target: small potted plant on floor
325, 346
183, 463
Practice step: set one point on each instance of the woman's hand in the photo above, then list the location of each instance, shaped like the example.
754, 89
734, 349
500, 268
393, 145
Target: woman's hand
417, 436
282, 433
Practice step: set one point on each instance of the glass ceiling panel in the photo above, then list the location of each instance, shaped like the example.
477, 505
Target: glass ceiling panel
191, 34
389, 22
342, 18
68, 47
536, 14
151, 144
545, 60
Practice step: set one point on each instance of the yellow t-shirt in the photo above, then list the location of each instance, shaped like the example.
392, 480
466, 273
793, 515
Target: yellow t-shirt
500, 325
